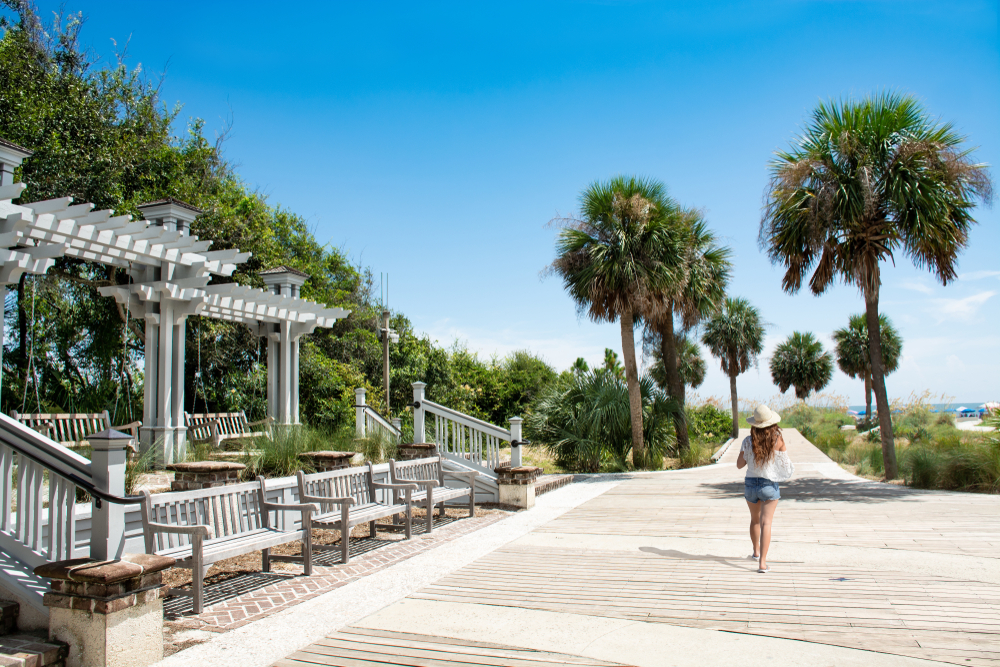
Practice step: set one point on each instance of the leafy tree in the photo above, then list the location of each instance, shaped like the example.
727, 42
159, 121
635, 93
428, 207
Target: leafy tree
800, 362
735, 335
612, 364
620, 250
695, 294
865, 180
852, 347
580, 365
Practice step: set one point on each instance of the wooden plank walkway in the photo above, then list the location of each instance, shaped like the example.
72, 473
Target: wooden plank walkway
353, 647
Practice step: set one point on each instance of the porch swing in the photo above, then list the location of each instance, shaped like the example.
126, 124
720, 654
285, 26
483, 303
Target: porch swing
219, 427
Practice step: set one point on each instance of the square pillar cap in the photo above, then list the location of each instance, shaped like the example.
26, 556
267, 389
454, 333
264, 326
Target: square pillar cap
108, 439
284, 275
12, 154
171, 208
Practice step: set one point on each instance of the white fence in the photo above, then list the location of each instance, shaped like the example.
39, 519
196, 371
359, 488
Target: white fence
368, 422
464, 438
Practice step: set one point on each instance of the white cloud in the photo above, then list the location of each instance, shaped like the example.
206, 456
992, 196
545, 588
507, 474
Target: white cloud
918, 287
959, 309
979, 275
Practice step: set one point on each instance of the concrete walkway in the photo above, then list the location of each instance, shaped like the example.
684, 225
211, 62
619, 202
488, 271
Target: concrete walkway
653, 570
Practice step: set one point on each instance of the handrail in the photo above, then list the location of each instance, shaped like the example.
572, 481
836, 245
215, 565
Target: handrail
86, 485
51, 454
469, 421
382, 420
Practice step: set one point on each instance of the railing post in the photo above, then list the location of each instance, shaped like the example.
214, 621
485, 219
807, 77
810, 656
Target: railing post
107, 465
515, 441
397, 424
359, 412
419, 433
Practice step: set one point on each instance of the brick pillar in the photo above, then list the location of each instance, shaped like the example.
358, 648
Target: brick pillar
517, 485
418, 450
324, 461
110, 613
204, 474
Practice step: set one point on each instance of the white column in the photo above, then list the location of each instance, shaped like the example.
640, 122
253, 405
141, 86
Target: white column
149, 380
515, 441
285, 377
272, 373
164, 384
107, 463
180, 431
295, 381
359, 412
419, 434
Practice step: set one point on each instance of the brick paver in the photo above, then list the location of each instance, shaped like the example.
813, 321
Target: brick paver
247, 598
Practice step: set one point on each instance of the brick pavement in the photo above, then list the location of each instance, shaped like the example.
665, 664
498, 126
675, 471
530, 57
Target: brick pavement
250, 597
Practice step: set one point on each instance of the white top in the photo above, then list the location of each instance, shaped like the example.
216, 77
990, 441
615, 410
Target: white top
779, 468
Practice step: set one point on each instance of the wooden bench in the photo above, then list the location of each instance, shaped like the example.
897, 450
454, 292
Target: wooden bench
202, 527
428, 474
71, 429
216, 427
348, 498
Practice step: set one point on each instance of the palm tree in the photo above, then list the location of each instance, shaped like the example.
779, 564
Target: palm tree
802, 363
612, 257
852, 351
868, 179
697, 293
690, 365
736, 336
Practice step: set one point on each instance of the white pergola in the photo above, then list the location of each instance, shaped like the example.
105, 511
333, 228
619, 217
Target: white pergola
170, 272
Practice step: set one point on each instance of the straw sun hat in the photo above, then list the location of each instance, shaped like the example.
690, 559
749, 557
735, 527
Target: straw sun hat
763, 417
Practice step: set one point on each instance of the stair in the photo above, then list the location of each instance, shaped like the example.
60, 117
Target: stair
26, 650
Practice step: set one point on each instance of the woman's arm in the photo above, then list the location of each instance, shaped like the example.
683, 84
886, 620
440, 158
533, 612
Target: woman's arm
741, 462
780, 445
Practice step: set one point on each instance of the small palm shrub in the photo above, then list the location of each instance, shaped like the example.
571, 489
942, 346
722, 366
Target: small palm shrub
709, 422
584, 422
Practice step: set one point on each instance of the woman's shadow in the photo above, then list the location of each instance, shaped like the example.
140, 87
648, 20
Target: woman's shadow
680, 555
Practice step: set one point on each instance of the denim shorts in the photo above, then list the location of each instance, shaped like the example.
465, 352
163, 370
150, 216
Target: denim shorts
758, 488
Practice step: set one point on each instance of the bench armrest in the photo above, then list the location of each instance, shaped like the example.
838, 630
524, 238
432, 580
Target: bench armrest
204, 531
421, 482
292, 507
401, 487
323, 499
268, 420
128, 427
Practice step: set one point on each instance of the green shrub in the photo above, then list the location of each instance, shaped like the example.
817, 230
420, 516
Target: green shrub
709, 422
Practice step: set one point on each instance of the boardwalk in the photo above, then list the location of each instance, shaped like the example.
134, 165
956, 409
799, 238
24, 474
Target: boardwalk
655, 571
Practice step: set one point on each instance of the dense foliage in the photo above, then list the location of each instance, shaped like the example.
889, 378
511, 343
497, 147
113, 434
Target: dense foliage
100, 133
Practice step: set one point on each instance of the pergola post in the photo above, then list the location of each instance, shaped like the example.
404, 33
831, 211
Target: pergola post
167, 309
283, 350
11, 157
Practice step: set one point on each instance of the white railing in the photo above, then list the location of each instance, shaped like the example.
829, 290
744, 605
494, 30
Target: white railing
462, 437
369, 422
38, 515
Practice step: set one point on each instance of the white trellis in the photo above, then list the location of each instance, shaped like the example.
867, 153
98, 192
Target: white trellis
170, 271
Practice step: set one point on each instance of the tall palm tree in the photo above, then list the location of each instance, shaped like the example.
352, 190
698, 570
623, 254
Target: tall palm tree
612, 257
865, 180
802, 363
852, 351
736, 336
697, 293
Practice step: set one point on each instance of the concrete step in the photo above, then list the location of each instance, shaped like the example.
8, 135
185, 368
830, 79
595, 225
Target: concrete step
31, 651
19, 584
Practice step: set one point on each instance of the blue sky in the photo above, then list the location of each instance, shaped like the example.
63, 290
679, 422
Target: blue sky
435, 141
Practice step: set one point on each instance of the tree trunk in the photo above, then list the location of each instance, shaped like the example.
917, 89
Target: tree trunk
736, 406
675, 386
632, 383
868, 394
878, 384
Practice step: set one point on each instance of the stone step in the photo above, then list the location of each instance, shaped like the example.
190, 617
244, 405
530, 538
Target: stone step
31, 651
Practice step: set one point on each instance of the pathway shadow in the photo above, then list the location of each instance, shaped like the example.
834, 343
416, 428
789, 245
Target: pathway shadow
816, 489
680, 555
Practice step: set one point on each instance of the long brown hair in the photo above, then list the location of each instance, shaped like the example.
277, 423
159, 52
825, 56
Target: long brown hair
763, 441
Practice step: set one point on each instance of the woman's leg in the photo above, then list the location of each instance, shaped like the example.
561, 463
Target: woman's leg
766, 519
755, 526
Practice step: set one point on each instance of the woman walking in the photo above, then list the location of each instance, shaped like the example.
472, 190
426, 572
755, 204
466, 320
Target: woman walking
767, 463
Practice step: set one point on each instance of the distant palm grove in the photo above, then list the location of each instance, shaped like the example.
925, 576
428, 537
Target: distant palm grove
869, 182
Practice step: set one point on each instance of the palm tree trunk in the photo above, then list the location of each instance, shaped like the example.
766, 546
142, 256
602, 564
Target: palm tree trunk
878, 382
675, 386
736, 406
632, 383
868, 394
